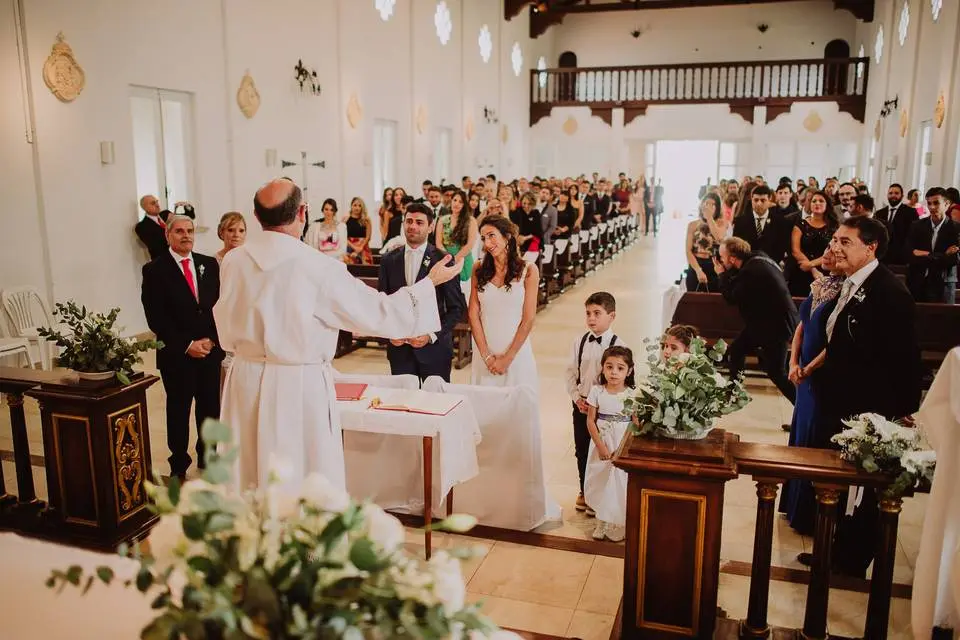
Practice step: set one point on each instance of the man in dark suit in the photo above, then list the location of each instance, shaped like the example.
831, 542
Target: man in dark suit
152, 230
933, 249
763, 231
753, 282
427, 355
178, 293
898, 217
872, 365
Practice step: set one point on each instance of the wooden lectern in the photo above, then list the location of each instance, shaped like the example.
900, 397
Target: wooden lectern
674, 517
96, 445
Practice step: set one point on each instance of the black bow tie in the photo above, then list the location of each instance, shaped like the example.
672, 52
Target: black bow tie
594, 339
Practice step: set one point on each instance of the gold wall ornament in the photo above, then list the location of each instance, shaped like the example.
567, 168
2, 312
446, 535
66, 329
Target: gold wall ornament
904, 123
248, 98
421, 119
129, 462
504, 134
940, 111
877, 130
354, 111
468, 129
813, 122
61, 72
570, 126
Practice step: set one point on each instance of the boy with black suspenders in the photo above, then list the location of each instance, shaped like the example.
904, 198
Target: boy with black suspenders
582, 372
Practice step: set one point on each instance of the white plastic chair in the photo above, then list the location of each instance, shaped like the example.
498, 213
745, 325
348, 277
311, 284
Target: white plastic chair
21, 305
14, 347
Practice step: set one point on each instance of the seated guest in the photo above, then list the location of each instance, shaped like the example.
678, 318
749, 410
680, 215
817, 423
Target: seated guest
762, 231
809, 238
754, 283
566, 217
152, 230
934, 252
358, 230
456, 233
703, 235
426, 355
328, 235
232, 230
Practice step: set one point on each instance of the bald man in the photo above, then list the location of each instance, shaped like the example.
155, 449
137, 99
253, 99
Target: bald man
282, 305
151, 229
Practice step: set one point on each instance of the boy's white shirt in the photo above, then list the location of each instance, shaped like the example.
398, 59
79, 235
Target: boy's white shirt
590, 365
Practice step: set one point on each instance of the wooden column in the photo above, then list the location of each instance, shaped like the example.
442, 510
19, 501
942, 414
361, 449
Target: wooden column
674, 517
755, 626
26, 492
881, 580
818, 591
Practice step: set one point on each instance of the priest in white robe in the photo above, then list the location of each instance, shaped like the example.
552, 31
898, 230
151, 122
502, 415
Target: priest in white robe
281, 307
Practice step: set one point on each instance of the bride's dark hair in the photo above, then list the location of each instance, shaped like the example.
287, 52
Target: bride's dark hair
515, 264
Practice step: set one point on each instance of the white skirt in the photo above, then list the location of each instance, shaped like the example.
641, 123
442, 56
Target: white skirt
605, 486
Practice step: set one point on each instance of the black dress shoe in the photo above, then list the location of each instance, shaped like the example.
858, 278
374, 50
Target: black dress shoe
785, 427
805, 558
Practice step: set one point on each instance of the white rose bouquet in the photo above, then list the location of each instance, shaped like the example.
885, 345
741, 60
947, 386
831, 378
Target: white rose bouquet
683, 396
277, 566
878, 445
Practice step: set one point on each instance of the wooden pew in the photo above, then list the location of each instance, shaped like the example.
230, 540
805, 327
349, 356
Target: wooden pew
365, 271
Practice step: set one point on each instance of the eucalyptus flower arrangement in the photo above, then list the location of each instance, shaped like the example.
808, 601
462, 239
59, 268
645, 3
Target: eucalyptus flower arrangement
682, 397
878, 445
276, 565
94, 343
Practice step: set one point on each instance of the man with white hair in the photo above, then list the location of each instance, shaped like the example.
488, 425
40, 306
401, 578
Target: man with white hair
281, 308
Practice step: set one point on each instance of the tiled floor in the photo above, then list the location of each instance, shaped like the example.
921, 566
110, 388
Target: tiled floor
566, 593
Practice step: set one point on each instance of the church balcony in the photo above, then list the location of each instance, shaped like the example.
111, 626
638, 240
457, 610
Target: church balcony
774, 84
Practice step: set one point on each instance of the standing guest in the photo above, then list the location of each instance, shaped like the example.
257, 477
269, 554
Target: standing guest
473, 204
785, 203
955, 213
566, 217
503, 305
394, 222
761, 230
435, 202
429, 354
328, 235
548, 214
456, 233
845, 195
280, 312
863, 205
897, 218
810, 237
913, 201
754, 282
577, 203
358, 230
872, 365
425, 187
178, 293
807, 356
232, 230
152, 230
529, 224
934, 252
583, 367
703, 235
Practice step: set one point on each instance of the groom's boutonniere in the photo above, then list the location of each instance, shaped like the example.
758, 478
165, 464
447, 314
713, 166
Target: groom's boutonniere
201, 270
426, 262
860, 295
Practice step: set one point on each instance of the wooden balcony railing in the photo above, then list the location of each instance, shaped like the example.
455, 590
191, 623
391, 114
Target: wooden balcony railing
775, 84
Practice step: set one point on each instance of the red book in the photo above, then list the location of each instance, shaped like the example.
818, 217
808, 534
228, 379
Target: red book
349, 390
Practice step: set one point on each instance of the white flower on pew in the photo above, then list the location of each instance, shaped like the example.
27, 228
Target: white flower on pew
319, 491
382, 528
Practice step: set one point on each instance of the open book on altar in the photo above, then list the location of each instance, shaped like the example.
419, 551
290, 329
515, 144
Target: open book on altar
349, 390
415, 401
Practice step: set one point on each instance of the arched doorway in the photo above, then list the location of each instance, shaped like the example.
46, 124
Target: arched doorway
835, 73
567, 87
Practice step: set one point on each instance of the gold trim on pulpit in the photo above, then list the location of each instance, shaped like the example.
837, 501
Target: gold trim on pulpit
701, 502
126, 457
55, 422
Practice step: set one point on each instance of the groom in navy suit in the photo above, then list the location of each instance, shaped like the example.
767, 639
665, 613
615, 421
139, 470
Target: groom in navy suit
427, 355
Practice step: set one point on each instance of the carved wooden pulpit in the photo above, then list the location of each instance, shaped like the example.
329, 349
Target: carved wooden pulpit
96, 445
674, 517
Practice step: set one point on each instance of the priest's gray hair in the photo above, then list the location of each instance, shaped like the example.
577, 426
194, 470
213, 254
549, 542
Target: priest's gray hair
179, 217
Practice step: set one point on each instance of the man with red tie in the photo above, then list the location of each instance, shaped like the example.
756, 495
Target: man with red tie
179, 290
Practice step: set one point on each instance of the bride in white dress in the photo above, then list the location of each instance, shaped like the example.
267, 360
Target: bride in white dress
503, 304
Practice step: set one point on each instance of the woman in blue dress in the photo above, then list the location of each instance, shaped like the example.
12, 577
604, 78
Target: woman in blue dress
798, 501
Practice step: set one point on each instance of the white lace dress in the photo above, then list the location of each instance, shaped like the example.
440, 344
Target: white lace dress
605, 486
501, 310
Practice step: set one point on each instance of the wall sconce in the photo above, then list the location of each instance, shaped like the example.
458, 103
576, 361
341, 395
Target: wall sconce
490, 115
889, 106
271, 157
106, 152
763, 27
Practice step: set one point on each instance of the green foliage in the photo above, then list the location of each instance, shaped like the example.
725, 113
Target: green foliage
93, 343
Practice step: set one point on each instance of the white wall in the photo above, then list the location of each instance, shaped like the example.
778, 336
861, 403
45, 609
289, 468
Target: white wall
67, 220
709, 34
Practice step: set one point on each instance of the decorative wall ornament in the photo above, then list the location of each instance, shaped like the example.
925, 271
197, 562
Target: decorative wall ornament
877, 130
860, 54
486, 43
902, 28
516, 58
62, 73
354, 111
504, 134
813, 122
307, 79
878, 45
421, 119
570, 126
940, 110
935, 6
128, 457
468, 129
904, 123
248, 98
385, 7
442, 21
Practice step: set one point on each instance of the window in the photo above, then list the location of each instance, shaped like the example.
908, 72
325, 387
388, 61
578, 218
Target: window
936, 5
878, 45
486, 43
650, 161
861, 53
727, 161
441, 154
385, 8
516, 58
904, 22
922, 160
542, 77
443, 23
384, 156
163, 144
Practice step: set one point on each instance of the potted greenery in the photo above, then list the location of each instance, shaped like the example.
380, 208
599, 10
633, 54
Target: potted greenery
94, 347
685, 394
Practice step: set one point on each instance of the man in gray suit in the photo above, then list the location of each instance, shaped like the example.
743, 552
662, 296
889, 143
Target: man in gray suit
548, 214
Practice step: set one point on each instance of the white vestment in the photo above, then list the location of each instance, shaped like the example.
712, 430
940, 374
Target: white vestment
282, 304
936, 578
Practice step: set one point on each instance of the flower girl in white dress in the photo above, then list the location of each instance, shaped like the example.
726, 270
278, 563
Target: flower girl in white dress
605, 486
